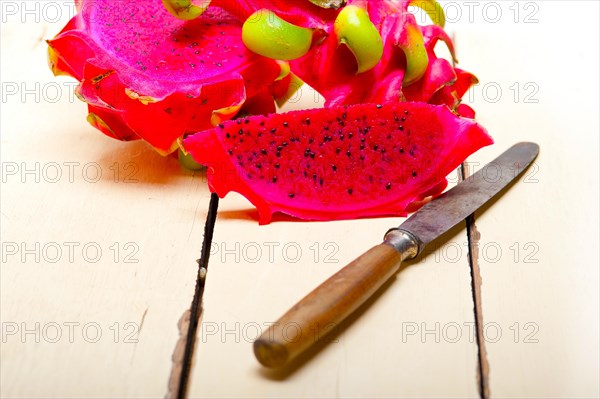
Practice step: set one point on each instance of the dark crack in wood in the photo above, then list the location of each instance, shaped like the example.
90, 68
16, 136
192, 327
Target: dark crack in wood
473, 237
191, 317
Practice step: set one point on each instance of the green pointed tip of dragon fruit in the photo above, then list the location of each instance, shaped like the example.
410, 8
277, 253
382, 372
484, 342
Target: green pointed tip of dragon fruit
285, 69
53, 62
270, 36
433, 9
98, 123
186, 9
416, 55
187, 161
354, 29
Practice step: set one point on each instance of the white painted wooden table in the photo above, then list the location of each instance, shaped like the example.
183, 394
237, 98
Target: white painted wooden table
99, 242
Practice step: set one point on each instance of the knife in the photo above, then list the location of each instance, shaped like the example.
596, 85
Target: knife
335, 299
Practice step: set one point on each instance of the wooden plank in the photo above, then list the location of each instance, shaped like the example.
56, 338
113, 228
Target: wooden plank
539, 243
99, 240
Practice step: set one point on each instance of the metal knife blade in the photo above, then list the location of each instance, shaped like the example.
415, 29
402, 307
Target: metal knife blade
450, 208
335, 299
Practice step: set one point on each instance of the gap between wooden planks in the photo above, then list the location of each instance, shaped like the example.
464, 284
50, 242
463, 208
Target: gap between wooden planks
473, 237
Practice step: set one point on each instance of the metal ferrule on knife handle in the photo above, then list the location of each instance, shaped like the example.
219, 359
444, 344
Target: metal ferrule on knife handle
404, 241
318, 313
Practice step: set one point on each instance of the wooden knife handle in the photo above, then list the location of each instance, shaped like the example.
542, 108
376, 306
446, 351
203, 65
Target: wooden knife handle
326, 306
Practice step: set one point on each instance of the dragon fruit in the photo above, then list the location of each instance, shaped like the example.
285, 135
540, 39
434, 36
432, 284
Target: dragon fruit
148, 75
339, 162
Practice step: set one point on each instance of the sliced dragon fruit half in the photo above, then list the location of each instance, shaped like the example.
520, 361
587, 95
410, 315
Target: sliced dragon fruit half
146, 74
340, 162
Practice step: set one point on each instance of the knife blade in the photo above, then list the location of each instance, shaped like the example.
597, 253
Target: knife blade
335, 299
